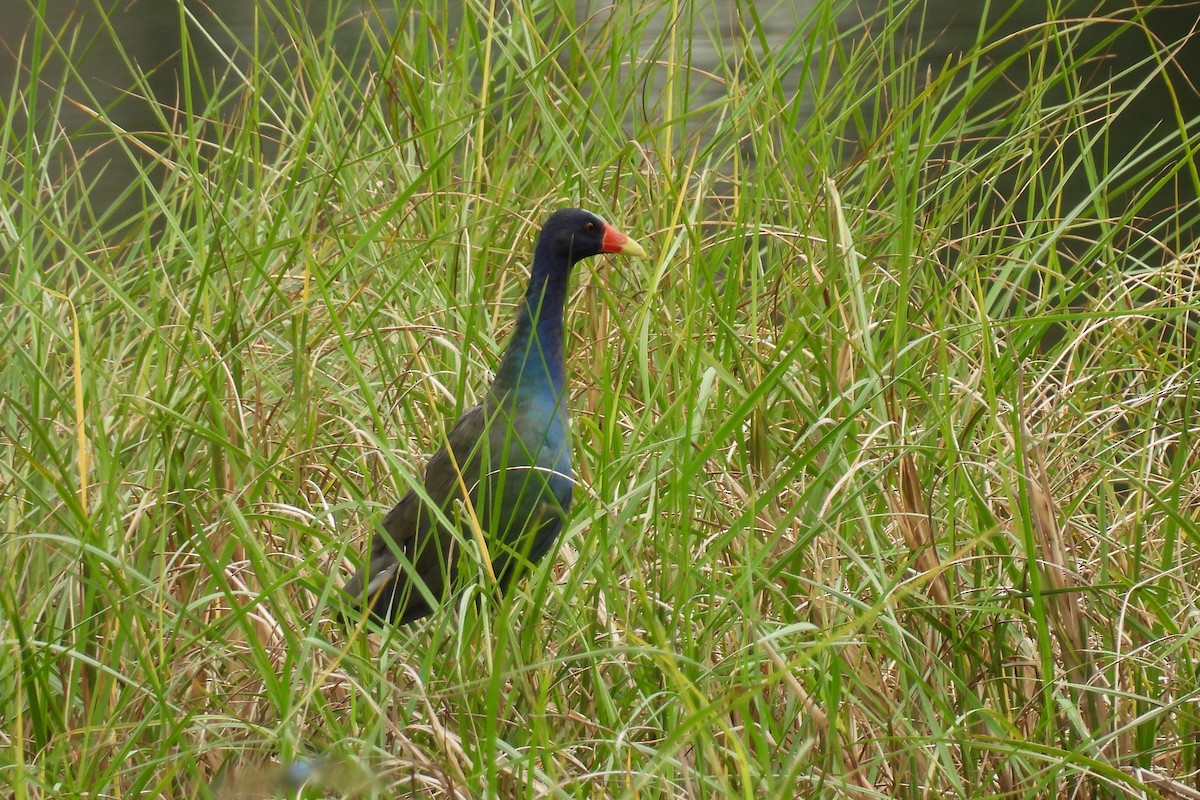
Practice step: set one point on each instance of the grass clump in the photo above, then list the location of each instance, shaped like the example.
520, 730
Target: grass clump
886, 460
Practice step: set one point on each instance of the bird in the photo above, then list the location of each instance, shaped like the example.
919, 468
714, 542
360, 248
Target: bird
504, 476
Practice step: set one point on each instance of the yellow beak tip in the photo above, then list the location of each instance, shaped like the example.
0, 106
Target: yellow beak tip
632, 248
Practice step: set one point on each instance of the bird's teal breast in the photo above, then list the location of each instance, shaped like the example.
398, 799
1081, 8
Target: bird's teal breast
540, 421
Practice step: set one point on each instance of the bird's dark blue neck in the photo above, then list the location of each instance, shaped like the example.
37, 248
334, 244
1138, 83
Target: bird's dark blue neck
533, 359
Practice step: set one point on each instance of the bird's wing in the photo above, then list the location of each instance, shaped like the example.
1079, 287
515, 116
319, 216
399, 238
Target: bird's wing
442, 473
407, 527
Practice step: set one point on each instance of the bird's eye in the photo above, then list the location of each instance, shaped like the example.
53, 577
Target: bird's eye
590, 227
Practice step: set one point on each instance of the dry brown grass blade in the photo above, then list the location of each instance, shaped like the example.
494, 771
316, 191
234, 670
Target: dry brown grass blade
913, 520
819, 719
845, 364
1167, 786
1062, 582
1057, 569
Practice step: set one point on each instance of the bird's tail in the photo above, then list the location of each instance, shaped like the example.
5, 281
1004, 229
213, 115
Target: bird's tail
383, 589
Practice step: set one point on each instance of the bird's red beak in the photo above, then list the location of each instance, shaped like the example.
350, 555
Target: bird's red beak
616, 242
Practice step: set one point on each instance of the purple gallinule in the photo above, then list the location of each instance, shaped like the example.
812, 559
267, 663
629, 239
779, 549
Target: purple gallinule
504, 474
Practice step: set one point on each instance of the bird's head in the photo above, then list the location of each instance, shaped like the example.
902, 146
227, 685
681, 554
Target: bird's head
574, 234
